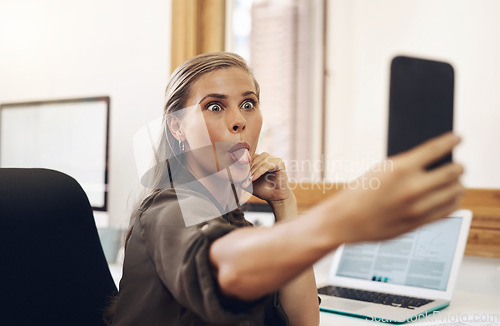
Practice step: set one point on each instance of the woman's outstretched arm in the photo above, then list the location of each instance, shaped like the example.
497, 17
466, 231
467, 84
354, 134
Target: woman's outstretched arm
252, 262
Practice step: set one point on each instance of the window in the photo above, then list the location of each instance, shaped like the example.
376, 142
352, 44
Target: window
282, 41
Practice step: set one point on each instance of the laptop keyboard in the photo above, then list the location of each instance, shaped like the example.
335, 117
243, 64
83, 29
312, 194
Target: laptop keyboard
375, 297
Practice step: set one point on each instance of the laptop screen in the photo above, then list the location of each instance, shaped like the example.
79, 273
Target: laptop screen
421, 258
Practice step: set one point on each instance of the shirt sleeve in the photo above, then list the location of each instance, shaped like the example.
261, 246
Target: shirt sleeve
181, 258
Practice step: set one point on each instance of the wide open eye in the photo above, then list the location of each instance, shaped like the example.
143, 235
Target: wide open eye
248, 105
214, 107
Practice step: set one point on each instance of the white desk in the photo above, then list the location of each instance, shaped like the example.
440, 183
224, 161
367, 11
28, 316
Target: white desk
477, 292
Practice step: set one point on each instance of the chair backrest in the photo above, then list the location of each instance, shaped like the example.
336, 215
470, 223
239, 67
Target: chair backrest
52, 266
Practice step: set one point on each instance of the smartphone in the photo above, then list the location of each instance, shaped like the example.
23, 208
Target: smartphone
420, 103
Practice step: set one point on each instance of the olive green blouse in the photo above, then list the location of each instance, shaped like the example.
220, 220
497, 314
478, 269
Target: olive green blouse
167, 275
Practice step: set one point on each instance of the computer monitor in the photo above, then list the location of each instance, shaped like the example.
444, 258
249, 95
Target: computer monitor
71, 136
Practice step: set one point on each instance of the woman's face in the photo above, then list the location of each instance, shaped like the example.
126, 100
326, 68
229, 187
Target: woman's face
222, 123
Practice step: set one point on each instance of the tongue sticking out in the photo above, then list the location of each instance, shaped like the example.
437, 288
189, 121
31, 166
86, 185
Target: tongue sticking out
242, 156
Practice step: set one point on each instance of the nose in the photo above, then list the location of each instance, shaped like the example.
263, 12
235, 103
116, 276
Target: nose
236, 121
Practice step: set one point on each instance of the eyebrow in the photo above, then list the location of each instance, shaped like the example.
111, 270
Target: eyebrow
223, 96
249, 93
219, 96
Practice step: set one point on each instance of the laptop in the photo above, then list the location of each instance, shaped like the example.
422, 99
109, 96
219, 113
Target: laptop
398, 280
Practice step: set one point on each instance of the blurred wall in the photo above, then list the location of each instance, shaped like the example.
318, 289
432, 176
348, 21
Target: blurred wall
63, 49
364, 35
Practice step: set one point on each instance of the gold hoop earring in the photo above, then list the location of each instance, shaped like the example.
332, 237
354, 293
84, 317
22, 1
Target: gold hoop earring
181, 146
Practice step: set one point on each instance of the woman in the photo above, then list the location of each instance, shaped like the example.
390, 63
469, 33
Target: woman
189, 262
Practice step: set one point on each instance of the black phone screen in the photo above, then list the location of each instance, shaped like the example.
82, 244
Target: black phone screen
420, 103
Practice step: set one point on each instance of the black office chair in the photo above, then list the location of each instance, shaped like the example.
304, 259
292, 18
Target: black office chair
52, 266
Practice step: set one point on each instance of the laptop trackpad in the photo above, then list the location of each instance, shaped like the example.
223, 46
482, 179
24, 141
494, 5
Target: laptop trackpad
348, 305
